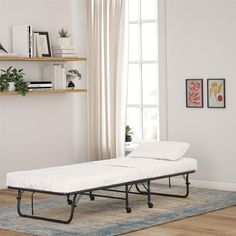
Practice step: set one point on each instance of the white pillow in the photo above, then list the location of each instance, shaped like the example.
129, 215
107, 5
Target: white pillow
161, 150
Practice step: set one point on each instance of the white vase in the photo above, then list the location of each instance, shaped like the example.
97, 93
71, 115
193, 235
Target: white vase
11, 87
65, 42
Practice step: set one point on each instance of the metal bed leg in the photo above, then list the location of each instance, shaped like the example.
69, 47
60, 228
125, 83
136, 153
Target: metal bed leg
169, 182
32, 203
150, 205
91, 196
187, 183
72, 204
128, 209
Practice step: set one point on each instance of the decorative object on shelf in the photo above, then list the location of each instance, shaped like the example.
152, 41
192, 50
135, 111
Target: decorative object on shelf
64, 39
56, 74
22, 42
71, 84
128, 134
194, 93
42, 45
13, 80
216, 93
39, 85
71, 76
64, 51
2, 49
64, 47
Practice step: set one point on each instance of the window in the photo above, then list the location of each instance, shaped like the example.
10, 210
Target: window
143, 104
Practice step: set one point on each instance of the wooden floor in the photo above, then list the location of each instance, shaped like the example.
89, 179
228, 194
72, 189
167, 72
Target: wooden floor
218, 223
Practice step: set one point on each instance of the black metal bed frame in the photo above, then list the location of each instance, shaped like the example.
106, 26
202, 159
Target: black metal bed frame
73, 198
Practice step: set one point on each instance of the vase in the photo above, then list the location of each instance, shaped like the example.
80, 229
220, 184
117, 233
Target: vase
64, 42
128, 138
11, 87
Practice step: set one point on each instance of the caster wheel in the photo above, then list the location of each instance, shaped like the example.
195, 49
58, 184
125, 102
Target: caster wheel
92, 198
128, 209
150, 205
69, 201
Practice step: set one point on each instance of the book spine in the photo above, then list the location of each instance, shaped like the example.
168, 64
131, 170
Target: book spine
30, 36
40, 86
39, 89
39, 82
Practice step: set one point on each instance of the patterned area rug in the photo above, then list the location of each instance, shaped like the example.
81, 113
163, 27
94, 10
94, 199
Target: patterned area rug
105, 217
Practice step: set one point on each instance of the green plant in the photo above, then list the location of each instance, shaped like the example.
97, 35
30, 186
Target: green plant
64, 33
128, 131
15, 76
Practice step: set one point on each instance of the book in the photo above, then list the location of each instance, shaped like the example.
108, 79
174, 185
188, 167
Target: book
55, 51
65, 55
34, 45
61, 78
39, 82
39, 85
22, 40
38, 46
39, 89
56, 47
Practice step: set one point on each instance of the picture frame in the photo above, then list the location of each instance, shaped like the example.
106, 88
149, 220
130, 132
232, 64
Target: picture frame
216, 93
45, 44
194, 93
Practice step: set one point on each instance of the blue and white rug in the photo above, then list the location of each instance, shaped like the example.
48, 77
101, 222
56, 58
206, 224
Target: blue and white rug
105, 217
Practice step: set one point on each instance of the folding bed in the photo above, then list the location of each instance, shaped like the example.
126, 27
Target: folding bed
149, 162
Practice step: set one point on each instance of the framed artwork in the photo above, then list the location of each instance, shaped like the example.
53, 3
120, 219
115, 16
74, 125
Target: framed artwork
216, 93
194, 93
45, 44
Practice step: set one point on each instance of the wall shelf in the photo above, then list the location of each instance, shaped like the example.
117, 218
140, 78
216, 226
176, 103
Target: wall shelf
45, 59
56, 91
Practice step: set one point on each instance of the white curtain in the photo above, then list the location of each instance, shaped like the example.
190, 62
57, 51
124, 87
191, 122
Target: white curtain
107, 77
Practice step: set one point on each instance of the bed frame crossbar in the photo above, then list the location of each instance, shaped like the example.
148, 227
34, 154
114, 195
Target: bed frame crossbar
73, 198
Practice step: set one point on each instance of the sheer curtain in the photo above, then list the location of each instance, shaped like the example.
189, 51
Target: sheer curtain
107, 77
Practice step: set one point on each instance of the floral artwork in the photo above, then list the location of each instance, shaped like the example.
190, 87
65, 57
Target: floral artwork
216, 93
194, 93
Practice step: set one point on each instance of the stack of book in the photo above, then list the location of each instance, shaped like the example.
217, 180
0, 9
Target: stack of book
39, 85
56, 74
64, 51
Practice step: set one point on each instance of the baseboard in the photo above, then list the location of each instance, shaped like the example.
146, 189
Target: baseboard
2, 184
202, 184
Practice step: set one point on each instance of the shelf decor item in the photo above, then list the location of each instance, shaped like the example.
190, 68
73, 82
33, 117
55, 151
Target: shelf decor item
194, 93
64, 39
216, 93
2, 48
42, 42
71, 76
13, 80
128, 134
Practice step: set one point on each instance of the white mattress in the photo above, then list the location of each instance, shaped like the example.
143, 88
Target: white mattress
78, 177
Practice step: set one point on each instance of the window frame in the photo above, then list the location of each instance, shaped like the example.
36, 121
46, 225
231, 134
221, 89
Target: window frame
141, 106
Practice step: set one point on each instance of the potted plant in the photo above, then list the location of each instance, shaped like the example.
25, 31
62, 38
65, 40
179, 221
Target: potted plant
128, 134
13, 80
64, 39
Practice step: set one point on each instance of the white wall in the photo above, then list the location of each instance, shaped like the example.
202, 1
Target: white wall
42, 130
201, 43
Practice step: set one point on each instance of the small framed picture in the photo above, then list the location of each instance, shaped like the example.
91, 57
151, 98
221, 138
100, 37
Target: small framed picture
216, 93
45, 44
194, 93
